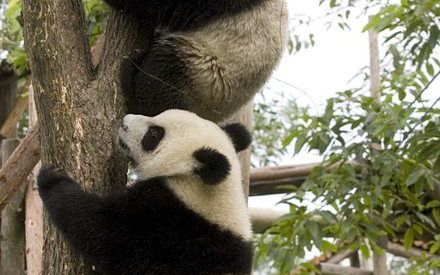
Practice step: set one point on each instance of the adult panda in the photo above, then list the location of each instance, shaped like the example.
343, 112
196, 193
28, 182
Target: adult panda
208, 56
186, 214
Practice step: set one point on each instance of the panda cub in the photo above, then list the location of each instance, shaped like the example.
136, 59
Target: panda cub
186, 214
209, 57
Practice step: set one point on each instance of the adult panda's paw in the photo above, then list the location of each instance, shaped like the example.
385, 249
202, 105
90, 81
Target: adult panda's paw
130, 66
49, 176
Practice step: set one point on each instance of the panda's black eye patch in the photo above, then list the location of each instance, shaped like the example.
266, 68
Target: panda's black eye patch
152, 138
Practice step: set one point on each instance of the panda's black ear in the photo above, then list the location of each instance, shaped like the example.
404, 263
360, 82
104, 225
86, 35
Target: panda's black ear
214, 166
240, 136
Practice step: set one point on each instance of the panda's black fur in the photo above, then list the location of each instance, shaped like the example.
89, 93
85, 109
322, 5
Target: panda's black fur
148, 229
207, 56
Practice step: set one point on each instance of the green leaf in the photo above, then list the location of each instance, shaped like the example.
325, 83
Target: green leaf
433, 204
436, 166
309, 266
414, 176
365, 251
408, 239
316, 232
434, 248
328, 246
436, 214
300, 142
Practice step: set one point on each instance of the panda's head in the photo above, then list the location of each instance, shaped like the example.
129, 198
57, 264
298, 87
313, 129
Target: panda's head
180, 143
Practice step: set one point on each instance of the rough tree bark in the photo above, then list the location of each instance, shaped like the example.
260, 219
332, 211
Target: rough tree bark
78, 105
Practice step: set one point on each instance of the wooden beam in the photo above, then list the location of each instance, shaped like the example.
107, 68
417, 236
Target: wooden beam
34, 209
8, 90
399, 250
340, 256
263, 218
9, 127
380, 261
12, 223
18, 166
244, 116
269, 187
272, 173
334, 269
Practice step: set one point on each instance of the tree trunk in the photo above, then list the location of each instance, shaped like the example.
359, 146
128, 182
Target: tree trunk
79, 106
244, 116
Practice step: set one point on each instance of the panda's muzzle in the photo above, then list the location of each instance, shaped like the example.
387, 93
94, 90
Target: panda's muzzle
126, 150
123, 145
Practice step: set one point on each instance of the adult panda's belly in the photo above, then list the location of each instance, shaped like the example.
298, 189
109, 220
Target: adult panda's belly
249, 45
230, 59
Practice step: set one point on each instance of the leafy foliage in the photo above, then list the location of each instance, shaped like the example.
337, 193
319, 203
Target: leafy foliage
381, 170
11, 36
273, 119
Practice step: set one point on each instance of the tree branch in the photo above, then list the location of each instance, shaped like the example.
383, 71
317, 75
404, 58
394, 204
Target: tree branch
15, 171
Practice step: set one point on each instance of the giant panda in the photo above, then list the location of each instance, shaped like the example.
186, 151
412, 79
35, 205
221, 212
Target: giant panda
186, 213
207, 56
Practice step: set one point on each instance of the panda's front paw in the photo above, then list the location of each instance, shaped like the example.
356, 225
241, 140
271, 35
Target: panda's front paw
49, 177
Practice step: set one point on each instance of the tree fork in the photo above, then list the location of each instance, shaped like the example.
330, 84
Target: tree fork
79, 106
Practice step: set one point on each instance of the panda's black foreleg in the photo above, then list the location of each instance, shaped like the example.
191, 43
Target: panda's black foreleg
86, 220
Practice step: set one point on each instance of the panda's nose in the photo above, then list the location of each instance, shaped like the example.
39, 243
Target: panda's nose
124, 125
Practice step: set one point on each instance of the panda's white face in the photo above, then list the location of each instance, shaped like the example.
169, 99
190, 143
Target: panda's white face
164, 145
197, 157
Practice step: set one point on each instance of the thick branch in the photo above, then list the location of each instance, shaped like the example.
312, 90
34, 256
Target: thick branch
16, 169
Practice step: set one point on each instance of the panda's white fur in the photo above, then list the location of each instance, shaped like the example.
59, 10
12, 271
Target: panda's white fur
209, 57
223, 204
186, 214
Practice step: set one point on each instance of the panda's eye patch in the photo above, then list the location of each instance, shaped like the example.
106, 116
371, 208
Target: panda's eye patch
152, 138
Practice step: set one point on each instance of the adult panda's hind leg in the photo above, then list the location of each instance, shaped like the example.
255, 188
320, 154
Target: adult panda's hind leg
157, 79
